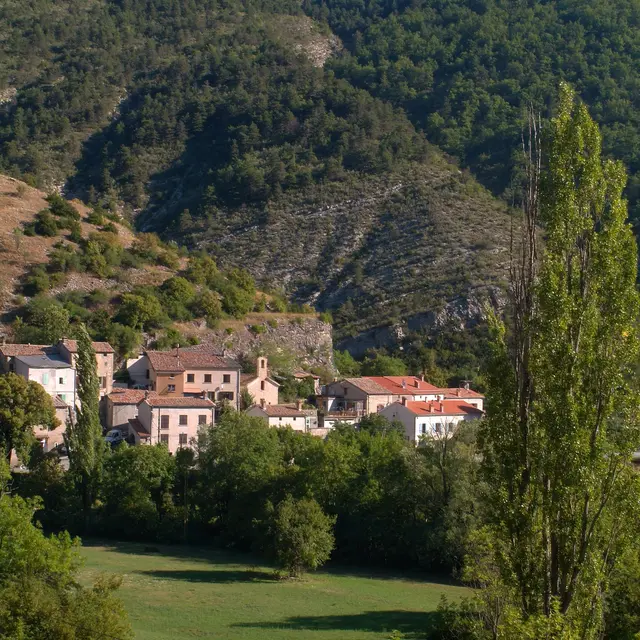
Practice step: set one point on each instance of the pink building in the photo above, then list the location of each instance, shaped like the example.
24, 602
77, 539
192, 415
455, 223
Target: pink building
263, 389
170, 420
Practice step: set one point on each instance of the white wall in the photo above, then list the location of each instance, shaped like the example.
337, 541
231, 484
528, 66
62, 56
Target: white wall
137, 368
56, 382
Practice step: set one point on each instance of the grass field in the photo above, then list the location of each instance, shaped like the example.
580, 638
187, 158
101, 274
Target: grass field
181, 593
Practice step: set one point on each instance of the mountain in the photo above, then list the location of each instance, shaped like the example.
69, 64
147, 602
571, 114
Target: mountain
65, 262
307, 143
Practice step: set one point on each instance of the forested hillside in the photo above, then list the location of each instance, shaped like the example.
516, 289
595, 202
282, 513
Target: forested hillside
290, 139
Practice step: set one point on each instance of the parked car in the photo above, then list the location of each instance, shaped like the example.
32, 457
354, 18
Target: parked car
114, 437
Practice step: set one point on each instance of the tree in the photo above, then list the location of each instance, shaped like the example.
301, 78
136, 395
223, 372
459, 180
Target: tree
377, 423
45, 321
40, 595
562, 402
346, 365
84, 435
381, 365
23, 406
302, 535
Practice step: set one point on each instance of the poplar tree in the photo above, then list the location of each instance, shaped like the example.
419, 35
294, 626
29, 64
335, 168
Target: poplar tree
86, 445
562, 412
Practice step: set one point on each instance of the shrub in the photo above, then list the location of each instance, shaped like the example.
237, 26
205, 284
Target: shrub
96, 217
236, 302
257, 328
141, 311
242, 279
201, 270
37, 281
61, 207
110, 228
207, 305
45, 224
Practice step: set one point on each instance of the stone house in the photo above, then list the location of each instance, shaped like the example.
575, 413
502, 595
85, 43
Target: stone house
283, 415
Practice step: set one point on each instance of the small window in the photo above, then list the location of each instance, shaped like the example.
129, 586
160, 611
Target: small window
438, 428
103, 382
202, 419
45, 378
226, 395
226, 378
60, 380
183, 439
207, 377
423, 428
262, 364
262, 386
191, 377
171, 388
183, 421
164, 422
279, 419
147, 374
211, 395
164, 438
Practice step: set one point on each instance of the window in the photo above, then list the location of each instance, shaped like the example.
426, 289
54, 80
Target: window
164, 438
60, 380
423, 429
164, 422
438, 428
262, 363
211, 395
226, 378
183, 439
63, 397
183, 421
207, 377
191, 377
202, 419
147, 374
226, 395
171, 388
279, 419
262, 386
103, 383
45, 378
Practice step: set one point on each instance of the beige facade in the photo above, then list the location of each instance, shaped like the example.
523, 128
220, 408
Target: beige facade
105, 360
120, 407
167, 382
262, 388
175, 422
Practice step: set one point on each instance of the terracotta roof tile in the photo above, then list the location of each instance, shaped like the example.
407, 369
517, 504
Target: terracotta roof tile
444, 408
368, 385
168, 401
11, 350
127, 396
281, 411
59, 403
138, 427
178, 360
460, 392
98, 347
405, 385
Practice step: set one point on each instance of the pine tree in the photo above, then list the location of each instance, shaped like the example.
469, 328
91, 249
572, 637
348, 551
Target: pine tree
86, 445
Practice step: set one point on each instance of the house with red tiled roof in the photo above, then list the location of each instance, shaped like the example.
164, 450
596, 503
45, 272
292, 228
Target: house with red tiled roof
188, 371
121, 406
173, 421
371, 394
432, 418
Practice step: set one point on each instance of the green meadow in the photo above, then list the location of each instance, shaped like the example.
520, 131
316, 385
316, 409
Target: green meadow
176, 592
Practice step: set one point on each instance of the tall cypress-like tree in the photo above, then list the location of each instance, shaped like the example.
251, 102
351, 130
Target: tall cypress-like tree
86, 445
562, 404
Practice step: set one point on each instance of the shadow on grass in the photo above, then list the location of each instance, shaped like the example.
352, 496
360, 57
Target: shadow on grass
220, 577
410, 623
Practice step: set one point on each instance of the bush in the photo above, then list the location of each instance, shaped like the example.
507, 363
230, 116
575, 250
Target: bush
236, 302
45, 224
257, 328
96, 217
301, 535
61, 207
141, 311
37, 281
202, 270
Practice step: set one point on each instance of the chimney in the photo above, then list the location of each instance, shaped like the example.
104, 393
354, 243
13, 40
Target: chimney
465, 384
431, 407
404, 401
146, 394
417, 383
299, 404
459, 391
404, 383
442, 407
422, 377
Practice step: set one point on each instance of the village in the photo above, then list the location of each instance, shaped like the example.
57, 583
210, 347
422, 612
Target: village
170, 395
